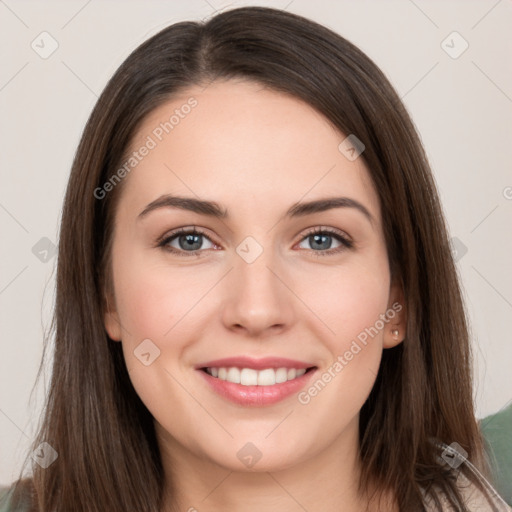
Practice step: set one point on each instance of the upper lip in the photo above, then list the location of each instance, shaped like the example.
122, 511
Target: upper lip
256, 364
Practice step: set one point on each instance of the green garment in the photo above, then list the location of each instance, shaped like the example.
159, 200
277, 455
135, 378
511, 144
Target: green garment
5, 501
497, 432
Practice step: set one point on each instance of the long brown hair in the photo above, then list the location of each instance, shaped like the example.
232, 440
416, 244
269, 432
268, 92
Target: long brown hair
108, 457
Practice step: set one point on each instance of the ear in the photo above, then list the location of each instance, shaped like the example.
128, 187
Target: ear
111, 319
394, 332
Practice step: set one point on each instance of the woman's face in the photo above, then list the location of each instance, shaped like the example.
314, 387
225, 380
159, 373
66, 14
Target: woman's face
256, 283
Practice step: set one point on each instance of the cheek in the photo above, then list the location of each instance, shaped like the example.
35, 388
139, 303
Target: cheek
360, 307
152, 298
153, 301
350, 299
352, 305
145, 303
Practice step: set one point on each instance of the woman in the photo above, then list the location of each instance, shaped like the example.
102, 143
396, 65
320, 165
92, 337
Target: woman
206, 357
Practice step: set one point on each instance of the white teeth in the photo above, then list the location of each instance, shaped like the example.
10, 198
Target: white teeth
282, 375
233, 375
251, 377
267, 377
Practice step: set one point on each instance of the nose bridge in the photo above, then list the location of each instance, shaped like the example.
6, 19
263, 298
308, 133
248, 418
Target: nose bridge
257, 299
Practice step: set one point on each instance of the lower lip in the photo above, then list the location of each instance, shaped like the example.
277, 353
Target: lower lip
256, 395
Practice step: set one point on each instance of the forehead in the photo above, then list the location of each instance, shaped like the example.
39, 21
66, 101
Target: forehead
244, 146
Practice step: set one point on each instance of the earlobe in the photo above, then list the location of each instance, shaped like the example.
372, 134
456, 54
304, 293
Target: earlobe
393, 336
395, 329
112, 323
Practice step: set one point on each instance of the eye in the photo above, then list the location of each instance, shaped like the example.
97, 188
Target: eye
185, 241
189, 241
321, 241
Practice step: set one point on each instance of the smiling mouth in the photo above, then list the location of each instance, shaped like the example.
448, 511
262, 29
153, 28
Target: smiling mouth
252, 377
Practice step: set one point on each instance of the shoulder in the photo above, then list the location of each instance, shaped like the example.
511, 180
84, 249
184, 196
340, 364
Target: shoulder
476, 499
6, 500
498, 443
481, 499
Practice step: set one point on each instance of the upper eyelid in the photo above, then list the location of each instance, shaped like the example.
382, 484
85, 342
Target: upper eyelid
185, 230
330, 230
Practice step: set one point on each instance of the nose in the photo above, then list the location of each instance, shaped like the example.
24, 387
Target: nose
258, 297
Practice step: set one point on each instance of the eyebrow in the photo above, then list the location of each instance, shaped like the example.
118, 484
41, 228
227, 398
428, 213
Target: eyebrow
212, 209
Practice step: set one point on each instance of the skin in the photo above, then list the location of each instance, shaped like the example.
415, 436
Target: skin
255, 152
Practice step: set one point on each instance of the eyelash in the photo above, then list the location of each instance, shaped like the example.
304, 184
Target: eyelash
346, 243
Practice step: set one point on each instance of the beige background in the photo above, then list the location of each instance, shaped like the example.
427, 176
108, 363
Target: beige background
462, 107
